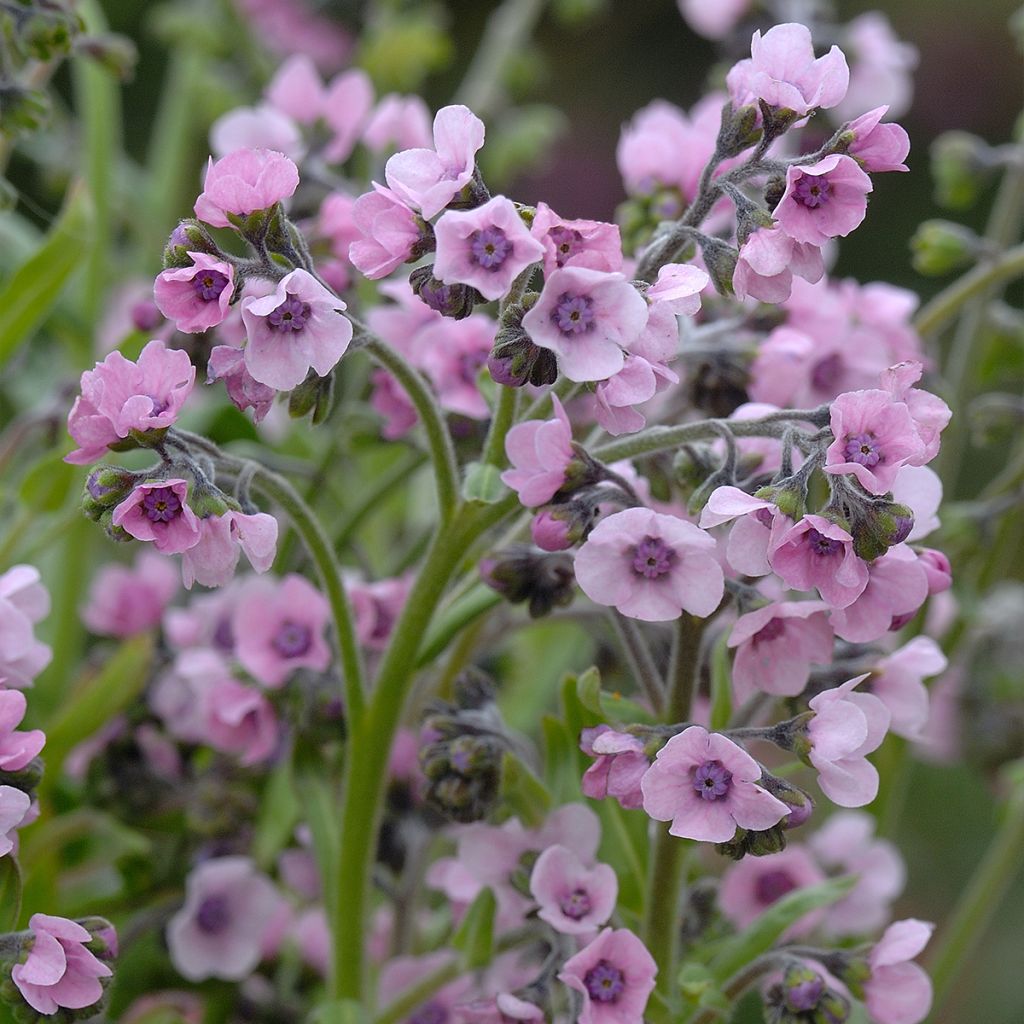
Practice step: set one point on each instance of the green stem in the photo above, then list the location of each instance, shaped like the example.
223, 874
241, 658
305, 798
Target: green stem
739, 983
480, 600
982, 897
638, 659
442, 451
502, 420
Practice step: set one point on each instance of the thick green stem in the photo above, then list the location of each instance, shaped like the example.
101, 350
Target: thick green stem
502, 420
983, 895
638, 659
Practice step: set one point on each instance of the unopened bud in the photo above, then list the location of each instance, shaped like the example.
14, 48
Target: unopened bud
720, 260
941, 246
961, 164
739, 130
521, 573
451, 300
188, 236
105, 488
877, 525
558, 527
314, 396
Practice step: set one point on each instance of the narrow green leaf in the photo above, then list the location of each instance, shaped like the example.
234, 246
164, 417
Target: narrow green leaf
525, 793
279, 813
588, 689
483, 483
10, 893
721, 684
608, 706
32, 291
770, 926
46, 486
475, 936
340, 1011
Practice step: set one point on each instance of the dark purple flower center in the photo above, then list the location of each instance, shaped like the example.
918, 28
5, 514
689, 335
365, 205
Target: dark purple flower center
429, 1013
213, 915
862, 448
826, 372
652, 558
604, 982
159, 405
812, 190
711, 780
489, 248
573, 314
161, 505
822, 545
772, 886
292, 315
772, 630
575, 904
224, 636
209, 284
567, 242
292, 639
764, 517
805, 995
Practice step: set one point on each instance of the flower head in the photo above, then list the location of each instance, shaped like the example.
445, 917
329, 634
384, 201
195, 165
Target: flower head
243, 182
389, 233
817, 553
576, 243
621, 764
878, 147
574, 899
222, 538
17, 748
540, 452
158, 511
239, 720
615, 975
196, 298
227, 363
767, 261
898, 991
823, 200
15, 811
705, 785
24, 602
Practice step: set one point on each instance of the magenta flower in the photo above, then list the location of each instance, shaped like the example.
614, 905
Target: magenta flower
252, 128
586, 317
196, 298
767, 261
898, 682
637, 382
297, 89
227, 363
783, 71
705, 785
126, 600
158, 511
816, 553
240, 721
897, 587
346, 106
376, 607
576, 243
17, 748
823, 200
757, 524
615, 974
937, 570
454, 353
389, 232
776, 646
15, 811
621, 764
213, 559
60, 971
219, 931
752, 885
650, 566
574, 899
24, 602
120, 397
929, 412
540, 452
898, 991
878, 147
874, 437
487, 247
243, 182
279, 627
846, 727
431, 178
297, 328
398, 122
391, 402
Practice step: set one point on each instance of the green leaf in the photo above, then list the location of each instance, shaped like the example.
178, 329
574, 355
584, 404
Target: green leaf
33, 290
10, 893
699, 986
279, 813
770, 926
475, 936
608, 706
721, 684
483, 483
527, 796
340, 1011
48, 483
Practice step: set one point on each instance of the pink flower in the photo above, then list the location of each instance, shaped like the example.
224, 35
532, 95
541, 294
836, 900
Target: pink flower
24, 602
816, 553
937, 570
390, 400
713, 19
576, 243
878, 147
637, 382
400, 975
783, 71
376, 606
196, 298
346, 105
874, 437
620, 765
212, 560
59, 971
705, 785
431, 178
897, 587
776, 646
846, 727
898, 991
120, 397
298, 327
487, 247
540, 452
920, 488
219, 931
243, 182
227, 363
389, 233
313, 938
929, 412
297, 90
15, 810
256, 128
751, 886
898, 682
823, 200
401, 122
650, 566
757, 523
240, 721
678, 288
17, 748
768, 260
845, 844
458, 351
615, 974
126, 600
882, 66
574, 899
279, 627
586, 317
158, 511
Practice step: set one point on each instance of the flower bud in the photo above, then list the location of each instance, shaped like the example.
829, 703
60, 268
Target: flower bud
105, 488
515, 360
941, 246
114, 52
313, 395
803, 997
558, 527
521, 573
877, 525
463, 776
789, 495
800, 801
757, 844
188, 236
22, 110
718, 384
451, 300
937, 568
961, 163
720, 260
739, 130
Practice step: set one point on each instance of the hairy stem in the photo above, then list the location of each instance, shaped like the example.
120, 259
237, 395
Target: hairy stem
638, 659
